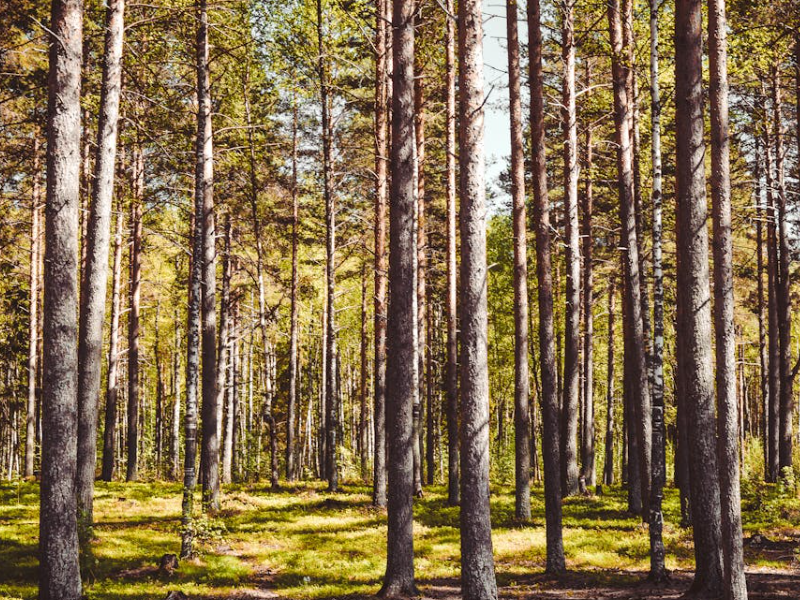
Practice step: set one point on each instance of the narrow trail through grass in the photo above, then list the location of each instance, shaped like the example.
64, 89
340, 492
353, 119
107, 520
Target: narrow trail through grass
304, 543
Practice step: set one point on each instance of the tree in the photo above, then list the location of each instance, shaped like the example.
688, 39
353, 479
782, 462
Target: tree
477, 563
569, 409
135, 295
451, 369
95, 276
400, 359
694, 309
33, 327
541, 216
522, 420
727, 403
608, 467
59, 576
381, 185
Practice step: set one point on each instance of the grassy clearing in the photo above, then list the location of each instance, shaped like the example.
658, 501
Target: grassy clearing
305, 543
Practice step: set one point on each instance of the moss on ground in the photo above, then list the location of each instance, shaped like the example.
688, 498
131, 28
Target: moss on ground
305, 543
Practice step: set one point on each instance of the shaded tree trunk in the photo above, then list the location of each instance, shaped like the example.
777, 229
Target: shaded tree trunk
522, 420
608, 468
59, 576
588, 471
762, 327
400, 382
363, 446
541, 216
773, 449
291, 407
694, 315
175, 430
132, 467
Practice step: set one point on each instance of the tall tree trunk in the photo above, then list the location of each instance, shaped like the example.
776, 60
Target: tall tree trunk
725, 334
59, 576
773, 449
363, 446
291, 407
419, 138
608, 468
522, 419
33, 336
400, 382
634, 341
569, 412
762, 328
659, 474
477, 563
160, 395
332, 392
541, 216
588, 471
132, 467
112, 378
381, 199
784, 301
175, 430
95, 275
224, 357
451, 375
694, 316
209, 451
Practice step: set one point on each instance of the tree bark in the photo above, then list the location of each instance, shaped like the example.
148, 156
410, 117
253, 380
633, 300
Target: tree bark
773, 449
541, 216
588, 471
659, 473
477, 563
762, 327
419, 138
291, 408
522, 419
209, 459
451, 375
634, 340
223, 380
400, 388
363, 446
175, 430
569, 412
59, 576
381, 198
132, 467
608, 468
694, 316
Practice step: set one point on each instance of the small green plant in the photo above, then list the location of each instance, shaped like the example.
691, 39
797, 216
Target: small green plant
786, 482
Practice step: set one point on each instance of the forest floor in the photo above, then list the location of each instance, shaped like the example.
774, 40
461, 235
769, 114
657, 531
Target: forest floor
304, 543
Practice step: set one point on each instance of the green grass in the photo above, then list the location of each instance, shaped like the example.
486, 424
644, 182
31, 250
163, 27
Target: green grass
306, 543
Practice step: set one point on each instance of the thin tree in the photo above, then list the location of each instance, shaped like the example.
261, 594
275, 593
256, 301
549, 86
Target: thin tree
773, 439
725, 334
204, 173
477, 563
381, 193
291, 407
694, 306
95, 276
608, 467
135, 295
656, 518
762, 327
451, 368
569, 409
112, 376
588, 471
400, 381
59, 576
541, 216
33, 328
635, 351
522, 419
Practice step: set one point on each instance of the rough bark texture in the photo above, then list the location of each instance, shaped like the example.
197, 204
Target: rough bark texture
522, 419
59, 577
453, 444
634, 339
549, 398
400, 381
477, 563
95, 277
773, 445
569, 411
727, 403
381, 193
205, 175
659, 473
694, 318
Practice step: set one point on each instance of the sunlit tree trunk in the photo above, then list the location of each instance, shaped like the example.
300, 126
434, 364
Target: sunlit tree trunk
59, 577
588, 471
608, 468
33, 328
